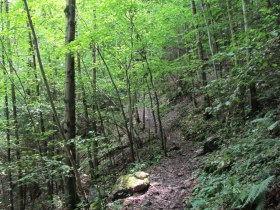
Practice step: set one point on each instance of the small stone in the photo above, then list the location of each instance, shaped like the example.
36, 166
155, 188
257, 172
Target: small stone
179, 153
156, 193
211, 144
180, 174
183, 192
199, 152
156, 184
147, 203
187, 183
174, 206
188, 204
174, 148
110, 205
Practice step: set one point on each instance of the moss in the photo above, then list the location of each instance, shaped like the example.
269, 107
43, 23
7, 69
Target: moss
131, 183
141, 175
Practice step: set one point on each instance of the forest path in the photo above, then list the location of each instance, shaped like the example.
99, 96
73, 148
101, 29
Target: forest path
172, 180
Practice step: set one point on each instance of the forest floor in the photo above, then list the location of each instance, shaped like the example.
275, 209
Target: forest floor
171, 180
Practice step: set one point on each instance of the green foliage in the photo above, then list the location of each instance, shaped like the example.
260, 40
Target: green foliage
165, 33
117, 205
240, 173
196, 128
134, 167
256, 193
157, 155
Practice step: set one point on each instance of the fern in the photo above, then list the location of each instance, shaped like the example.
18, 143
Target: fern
257, 192
270, 142
260, 201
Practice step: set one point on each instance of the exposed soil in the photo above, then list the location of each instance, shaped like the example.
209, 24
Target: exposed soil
172, 180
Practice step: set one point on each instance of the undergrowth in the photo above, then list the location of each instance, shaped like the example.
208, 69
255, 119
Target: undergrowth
240, 173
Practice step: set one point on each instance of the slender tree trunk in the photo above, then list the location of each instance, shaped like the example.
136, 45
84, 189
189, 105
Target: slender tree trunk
161, 133
269, 5
130, 116
38, 94
152, 107
193, 94
229, 14
211, 45
70, 104
50, 97
86, 118
17, 143
7, 130
128, 80
42, 129
130, 138
136, 111
84, 97
94, 107
252, 87
9, 158
241, 88
144, 112
15, 121
201, 58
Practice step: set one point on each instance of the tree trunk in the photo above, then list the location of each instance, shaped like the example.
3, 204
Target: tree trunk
252, 87
201, 58
130, 138
161, 133
85, 133
231, 29
7, 130
15, 120
144, 112
70, 105
152, 107
94, 109
136, 111
50, 97
211, 45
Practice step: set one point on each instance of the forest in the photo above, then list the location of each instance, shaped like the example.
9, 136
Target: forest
140, 104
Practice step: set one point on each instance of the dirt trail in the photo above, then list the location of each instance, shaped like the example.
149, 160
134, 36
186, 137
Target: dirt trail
171, 180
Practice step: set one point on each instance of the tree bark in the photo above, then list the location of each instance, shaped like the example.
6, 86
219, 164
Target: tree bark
200, 52
7, 130
210, 41
94, 109
229, 14
151, 78
70, 104
55, 114
144, 112
86, 118
121, 106
152, 107
15, 121
252, 87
